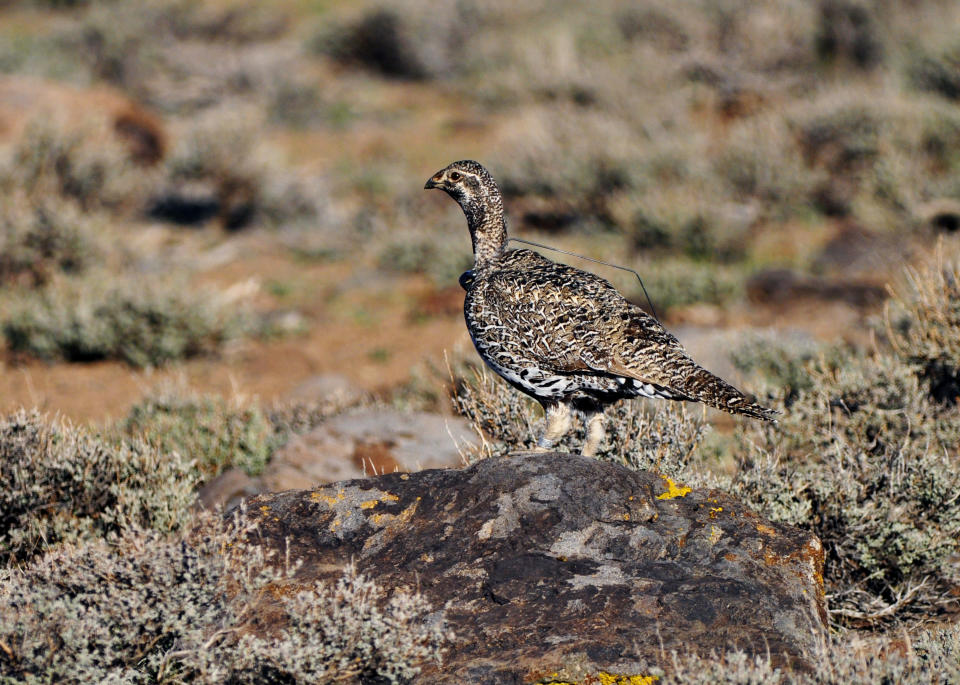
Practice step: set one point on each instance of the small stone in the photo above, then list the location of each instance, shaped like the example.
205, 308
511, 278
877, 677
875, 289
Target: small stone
368, 442
227, 490
325, 387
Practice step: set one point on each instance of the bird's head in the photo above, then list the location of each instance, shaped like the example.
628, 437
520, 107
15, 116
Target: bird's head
477, 193
465, 181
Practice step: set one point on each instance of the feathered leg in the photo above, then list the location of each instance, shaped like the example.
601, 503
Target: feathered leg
558, 423
595, 433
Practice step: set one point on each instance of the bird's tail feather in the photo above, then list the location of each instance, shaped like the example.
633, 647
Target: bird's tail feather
703, 386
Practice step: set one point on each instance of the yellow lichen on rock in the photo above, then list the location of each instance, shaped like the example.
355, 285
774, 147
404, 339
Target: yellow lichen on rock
386, 497
331, 501
673, 490
390, 522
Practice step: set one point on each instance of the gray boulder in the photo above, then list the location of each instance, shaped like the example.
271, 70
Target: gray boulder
562, 567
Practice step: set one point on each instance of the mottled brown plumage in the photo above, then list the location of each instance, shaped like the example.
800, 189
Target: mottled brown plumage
564, 336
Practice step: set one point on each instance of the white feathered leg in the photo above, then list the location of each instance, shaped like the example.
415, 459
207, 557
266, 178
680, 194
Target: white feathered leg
558, 424
596, 432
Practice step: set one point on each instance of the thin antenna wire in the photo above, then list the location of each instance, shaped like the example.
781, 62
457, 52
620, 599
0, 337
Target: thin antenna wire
596, 261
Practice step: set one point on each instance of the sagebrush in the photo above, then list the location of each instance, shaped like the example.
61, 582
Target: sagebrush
65, 484
866, 454
216, 434
99, 317
192, 609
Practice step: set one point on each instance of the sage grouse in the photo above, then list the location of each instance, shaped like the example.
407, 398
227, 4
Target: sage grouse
564, 336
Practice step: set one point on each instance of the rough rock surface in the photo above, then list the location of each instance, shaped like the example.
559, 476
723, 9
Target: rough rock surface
557, 566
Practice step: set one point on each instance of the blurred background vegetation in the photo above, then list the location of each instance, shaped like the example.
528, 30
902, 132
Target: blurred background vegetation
256, 169
229, 195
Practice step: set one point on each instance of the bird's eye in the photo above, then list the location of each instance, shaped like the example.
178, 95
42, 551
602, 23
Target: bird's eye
455, 176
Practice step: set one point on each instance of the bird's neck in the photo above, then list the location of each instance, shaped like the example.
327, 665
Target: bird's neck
488, 228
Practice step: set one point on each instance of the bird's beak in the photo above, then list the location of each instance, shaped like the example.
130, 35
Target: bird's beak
433, 182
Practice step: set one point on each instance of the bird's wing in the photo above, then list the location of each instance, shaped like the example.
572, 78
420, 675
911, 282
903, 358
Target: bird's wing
576, 321
635, 345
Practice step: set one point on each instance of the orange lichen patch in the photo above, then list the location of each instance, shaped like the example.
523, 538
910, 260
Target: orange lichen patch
714, 511
765, 530
390, 498
626, 517
715, 534
369, 504
391, 521
673, 490
264, 508
730, 556
330, 501
771, 558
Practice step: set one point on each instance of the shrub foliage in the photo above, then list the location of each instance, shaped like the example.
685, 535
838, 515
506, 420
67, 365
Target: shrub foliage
192, 610
91, 320
927, 657
39, 238
206, 429
63, 484
866, 456
216, 434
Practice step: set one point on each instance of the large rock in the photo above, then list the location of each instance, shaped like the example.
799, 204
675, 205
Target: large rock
561, 567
